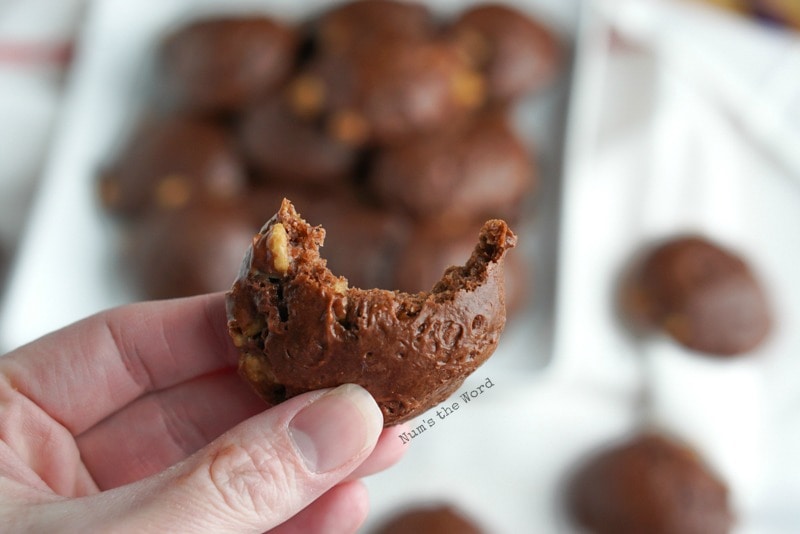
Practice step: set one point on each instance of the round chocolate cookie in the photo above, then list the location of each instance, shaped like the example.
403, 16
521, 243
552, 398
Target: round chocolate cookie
517, 54
474, 170
652, 485
170, 163
188, 252
221, 64
363, 23
702, 295
384, 93
286, 148
434, 519
300, 328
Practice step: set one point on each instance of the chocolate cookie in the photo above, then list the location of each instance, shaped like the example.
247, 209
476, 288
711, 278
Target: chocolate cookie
287, 148
300, 328
517, 54
188, 252
649, 484
474, 170
221, 64
380, 94
364, 23
438, 519
170, 163
702, 295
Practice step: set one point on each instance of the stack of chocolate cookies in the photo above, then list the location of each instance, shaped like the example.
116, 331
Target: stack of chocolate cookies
382, 122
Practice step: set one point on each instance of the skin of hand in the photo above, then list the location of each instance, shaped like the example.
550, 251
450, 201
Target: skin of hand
135, 420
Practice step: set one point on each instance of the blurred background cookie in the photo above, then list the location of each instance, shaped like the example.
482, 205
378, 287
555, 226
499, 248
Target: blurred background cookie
648, 484
187, 252
286, 148
381, 94
169, 163
370, 116
220, 64
517, 54
351, 26
704, 296
429, 519
476, 169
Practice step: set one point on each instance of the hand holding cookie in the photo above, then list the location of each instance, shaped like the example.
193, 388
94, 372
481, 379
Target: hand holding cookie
135, 420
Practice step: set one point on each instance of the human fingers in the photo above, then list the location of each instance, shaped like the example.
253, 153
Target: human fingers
341, 510
251, 479
82, 373
164, 427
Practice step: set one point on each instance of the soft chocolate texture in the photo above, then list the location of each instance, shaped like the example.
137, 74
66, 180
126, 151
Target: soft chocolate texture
474, 170
649, 484
381, 94
170, 163
436, 519
432, 248
287, 148
188, 252
221, 64
300, 328
363, 23
705, 297
517, 54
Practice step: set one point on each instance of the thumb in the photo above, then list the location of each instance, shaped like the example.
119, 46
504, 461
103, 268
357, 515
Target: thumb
255, 476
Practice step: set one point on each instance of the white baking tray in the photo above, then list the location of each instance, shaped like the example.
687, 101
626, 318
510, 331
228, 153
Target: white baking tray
67, 265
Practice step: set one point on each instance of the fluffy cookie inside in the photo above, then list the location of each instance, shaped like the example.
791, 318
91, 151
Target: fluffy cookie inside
299, 327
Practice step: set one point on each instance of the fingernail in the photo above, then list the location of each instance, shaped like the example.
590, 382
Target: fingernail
336, 427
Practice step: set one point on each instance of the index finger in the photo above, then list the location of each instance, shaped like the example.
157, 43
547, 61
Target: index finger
86, 371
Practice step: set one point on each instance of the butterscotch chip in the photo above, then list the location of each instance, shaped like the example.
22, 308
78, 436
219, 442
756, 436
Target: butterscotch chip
306, 96
702, 295
349, 127
469, 88
173, 191
410, 351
